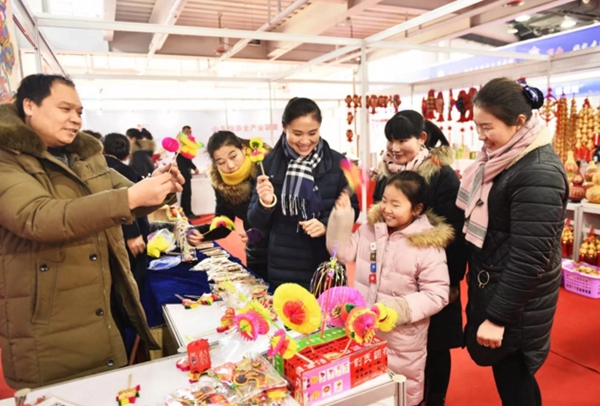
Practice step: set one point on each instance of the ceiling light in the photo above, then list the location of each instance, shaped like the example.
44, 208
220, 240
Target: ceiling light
523, 18
568, 23
511, 29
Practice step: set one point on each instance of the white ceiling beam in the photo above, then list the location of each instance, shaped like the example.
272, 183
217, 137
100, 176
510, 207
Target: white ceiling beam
241, 44
219, 79
110, 14
58, 22
316, 20
432, 15
316, 61
26, 23
453, 49
165, 12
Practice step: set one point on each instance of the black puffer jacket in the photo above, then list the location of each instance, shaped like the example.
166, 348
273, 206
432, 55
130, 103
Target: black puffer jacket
233, 201
445, 329
141, 157
293, 255
522, 255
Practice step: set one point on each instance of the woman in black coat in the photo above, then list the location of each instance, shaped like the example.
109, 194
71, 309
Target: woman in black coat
233, 175
514, 197
293, 202
412, 145
116, 150
142, 149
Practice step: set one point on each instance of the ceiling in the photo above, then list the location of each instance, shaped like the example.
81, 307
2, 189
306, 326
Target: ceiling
484, 23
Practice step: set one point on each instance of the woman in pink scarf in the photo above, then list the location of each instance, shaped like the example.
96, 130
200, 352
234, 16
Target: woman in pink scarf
514, 197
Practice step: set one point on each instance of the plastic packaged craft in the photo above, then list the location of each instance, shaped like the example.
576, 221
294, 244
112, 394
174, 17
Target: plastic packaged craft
166, 262
207, 391
212, 263
160, 241
188, 253
250, 377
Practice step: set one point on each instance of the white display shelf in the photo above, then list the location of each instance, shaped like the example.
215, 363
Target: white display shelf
590, 208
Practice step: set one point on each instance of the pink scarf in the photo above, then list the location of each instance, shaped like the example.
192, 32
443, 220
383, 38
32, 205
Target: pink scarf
389, 162
478, 180
414, 163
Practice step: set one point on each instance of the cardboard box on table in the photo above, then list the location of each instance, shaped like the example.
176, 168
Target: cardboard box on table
331, 374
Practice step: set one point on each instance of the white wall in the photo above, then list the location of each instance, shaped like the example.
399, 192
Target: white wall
245, 123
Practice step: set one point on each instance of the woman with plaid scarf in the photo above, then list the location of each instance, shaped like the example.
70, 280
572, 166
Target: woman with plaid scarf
293, 201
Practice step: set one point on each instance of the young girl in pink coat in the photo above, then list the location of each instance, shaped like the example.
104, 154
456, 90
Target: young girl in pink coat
407, 244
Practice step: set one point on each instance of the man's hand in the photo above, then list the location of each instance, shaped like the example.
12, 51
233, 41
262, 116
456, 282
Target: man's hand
152, 191
313, 228
136, 245
195, 238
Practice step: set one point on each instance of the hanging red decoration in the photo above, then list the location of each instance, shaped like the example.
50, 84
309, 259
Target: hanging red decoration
451, 105
395, 100
439, 106
350, 118
461, 106
383, 101
349, 135
348, 101
471, 98
550, 108
373, 102
430, 105
424, 107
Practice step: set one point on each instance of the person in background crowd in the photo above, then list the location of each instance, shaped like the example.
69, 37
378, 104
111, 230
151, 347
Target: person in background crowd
142, 148
514, 197
187, 168
232, 175
67, 292
412, 274
413, 142
116, 151
292, 202
94, 134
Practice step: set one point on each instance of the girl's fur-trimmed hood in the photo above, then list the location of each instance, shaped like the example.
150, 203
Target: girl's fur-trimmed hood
443, 155
436, 234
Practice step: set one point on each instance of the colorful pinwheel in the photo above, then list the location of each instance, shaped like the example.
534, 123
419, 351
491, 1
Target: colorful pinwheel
281, 344
297, 308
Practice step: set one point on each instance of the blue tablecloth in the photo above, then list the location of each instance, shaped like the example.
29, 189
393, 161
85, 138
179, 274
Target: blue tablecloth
161, 287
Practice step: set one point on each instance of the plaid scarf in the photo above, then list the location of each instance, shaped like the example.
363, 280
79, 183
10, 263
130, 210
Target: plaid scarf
300, 196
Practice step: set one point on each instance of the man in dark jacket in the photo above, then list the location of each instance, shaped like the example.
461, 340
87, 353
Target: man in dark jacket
187, 168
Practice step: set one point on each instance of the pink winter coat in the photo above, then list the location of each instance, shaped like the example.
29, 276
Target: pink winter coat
411, 264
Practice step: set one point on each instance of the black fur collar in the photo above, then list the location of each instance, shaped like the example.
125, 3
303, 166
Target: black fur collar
18, 137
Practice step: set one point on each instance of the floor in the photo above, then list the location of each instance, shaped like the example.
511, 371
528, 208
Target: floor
570, 376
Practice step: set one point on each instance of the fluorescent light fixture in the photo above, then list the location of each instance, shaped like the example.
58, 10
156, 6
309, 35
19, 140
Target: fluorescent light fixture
523, 18
568, 23
511, 29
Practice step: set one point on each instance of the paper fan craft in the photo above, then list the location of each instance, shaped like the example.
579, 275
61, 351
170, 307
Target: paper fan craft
353, 175
189, 146
361, 325
297, 308
333, 300
386, 317
258, 152
281, 344
250, 325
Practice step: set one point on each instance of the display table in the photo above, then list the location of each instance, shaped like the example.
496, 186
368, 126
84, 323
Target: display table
159, 378
191, 324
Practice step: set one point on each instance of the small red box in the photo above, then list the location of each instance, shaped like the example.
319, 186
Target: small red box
331, 372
